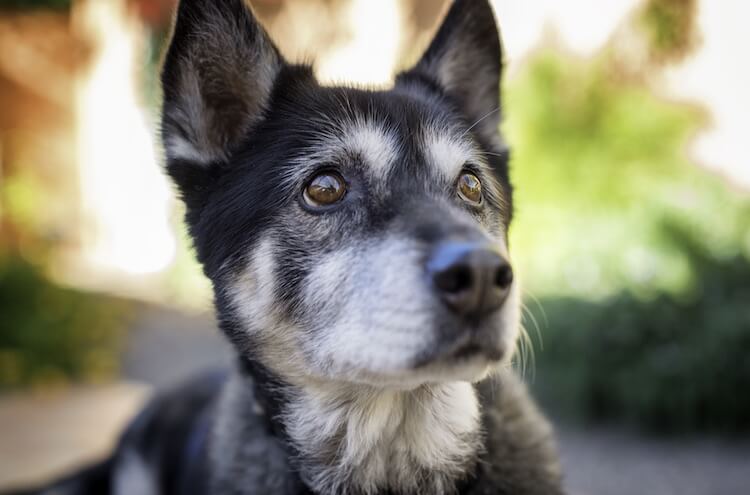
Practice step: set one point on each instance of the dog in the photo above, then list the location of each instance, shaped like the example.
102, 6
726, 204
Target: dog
357, 245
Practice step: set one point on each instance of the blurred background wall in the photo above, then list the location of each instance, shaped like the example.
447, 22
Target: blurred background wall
628, 124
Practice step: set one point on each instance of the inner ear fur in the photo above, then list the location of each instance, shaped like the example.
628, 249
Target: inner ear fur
217, 78
464, 62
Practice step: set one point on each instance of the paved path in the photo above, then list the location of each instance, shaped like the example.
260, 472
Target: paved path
165, 347
606, 461
43, 436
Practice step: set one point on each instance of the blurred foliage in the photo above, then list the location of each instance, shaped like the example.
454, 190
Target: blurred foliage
600, 166
639, 259
50, 334
669, 26
35, 4
669, 364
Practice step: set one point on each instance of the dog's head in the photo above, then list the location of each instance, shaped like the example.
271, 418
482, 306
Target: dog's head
350, 234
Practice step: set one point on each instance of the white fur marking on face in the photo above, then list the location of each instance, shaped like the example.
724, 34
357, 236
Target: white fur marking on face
253, 295
252, 292
384, 321
448, 154
370, 143
376, 146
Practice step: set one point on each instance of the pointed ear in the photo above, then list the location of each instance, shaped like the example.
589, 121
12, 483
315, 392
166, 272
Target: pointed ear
218, 75
464, 62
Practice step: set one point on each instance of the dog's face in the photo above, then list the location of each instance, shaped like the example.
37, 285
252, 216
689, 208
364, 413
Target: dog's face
351, 235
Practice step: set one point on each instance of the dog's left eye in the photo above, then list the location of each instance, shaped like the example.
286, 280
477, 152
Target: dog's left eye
470, 188
325, 189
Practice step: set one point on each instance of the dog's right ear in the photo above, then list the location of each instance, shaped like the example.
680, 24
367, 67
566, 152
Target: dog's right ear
464, 62
217, 78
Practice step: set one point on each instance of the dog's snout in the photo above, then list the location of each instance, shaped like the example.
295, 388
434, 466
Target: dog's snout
473, 280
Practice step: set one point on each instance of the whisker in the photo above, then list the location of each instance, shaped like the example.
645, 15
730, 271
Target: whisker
537, 329
539, 305
479, 121
521, 351
530, 355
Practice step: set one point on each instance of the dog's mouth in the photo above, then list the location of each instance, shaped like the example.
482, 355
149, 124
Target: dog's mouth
474, 349
485, 345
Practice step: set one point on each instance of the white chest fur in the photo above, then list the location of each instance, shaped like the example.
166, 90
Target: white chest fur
407, 441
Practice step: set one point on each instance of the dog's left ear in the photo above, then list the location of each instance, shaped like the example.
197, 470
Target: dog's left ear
464, 61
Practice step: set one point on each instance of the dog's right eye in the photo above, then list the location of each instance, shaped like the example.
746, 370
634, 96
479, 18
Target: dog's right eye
325, 189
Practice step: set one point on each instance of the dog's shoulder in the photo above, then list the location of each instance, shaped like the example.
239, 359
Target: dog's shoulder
520, 452
247, 451
164, 449
209, 435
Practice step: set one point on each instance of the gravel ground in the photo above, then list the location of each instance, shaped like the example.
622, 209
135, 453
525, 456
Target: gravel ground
44, 436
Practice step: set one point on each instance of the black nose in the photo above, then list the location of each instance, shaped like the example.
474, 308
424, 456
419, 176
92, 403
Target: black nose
472, 279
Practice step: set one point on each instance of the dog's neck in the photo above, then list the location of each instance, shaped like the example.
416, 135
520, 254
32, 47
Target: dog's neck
415, 441
356, 439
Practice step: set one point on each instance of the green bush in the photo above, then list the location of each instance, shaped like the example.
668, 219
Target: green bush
669, 364
51, 334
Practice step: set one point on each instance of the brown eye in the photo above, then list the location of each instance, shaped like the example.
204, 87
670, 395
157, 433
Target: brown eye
325, 189
469, 188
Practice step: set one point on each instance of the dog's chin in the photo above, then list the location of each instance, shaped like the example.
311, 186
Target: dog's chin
455, 351
470, 370
467, 365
